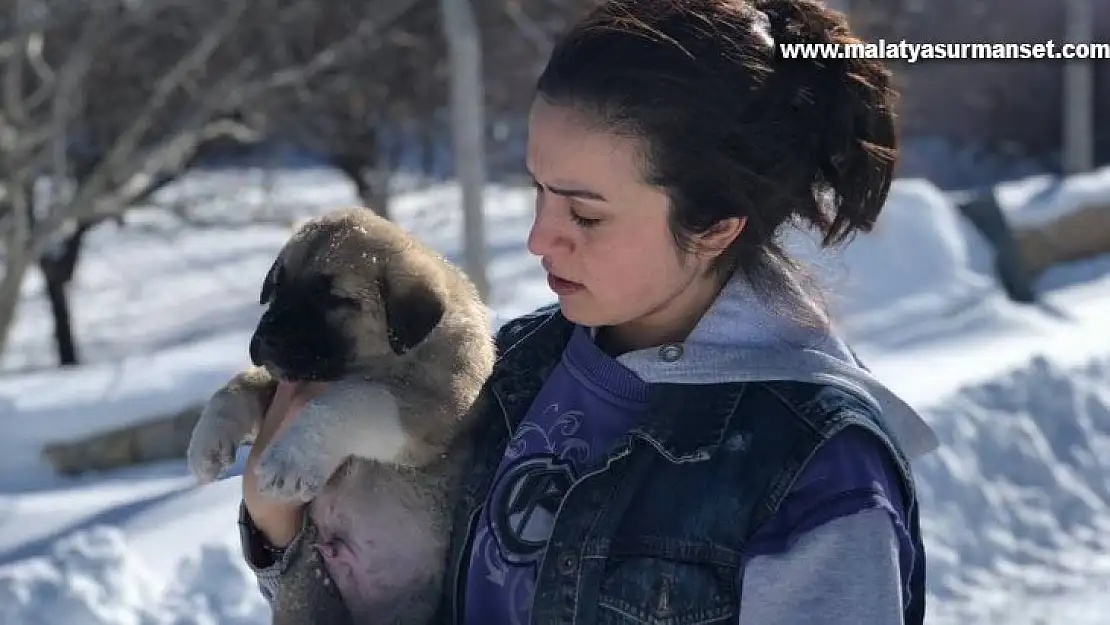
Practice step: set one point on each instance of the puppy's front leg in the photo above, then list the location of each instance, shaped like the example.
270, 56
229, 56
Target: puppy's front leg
230, 418
350, 418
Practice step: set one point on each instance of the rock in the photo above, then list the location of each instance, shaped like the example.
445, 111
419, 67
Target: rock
153, 440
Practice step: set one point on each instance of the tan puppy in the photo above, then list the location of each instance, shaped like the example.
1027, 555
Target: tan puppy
405, 342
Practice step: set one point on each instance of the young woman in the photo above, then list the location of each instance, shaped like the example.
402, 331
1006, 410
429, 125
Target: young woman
683, 438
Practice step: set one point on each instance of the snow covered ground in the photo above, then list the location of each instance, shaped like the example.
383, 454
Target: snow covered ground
1016, 504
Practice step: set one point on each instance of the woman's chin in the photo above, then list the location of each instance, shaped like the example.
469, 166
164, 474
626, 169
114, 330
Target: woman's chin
579, 313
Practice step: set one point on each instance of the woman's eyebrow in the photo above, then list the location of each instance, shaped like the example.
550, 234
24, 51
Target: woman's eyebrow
570, 191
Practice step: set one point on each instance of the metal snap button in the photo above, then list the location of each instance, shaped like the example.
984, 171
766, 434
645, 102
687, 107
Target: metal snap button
568, 563
670, 352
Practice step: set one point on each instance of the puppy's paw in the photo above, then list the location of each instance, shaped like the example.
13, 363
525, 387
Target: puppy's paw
215, 438
287, 473
297, 464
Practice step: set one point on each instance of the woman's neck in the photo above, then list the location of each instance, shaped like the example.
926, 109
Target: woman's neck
669, 323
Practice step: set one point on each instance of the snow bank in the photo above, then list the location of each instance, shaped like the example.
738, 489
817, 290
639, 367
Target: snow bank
92, 577
916, 275
1016, 502
1037, 199
916, 257
925, 273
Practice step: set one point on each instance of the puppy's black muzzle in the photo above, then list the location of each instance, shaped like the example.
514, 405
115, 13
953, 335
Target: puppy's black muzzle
297, 343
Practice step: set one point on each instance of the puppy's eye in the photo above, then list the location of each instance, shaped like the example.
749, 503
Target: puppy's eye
341, 300
270, 283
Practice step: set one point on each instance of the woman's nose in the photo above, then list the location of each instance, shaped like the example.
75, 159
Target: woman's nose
538, 243
546, 235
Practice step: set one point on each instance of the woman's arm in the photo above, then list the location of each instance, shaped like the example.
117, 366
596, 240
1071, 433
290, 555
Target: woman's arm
837, 549
278, 538
294, 579
846, 572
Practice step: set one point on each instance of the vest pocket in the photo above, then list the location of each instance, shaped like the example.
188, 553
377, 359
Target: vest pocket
661, 591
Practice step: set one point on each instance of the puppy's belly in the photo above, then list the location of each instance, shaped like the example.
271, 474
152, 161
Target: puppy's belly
383, 536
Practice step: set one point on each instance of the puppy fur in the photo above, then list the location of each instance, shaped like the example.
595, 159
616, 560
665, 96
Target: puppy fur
405, 343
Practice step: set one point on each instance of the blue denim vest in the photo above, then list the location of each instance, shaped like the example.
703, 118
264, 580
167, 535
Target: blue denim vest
656, 535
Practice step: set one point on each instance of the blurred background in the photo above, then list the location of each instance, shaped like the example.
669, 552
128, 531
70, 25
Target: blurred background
154, 155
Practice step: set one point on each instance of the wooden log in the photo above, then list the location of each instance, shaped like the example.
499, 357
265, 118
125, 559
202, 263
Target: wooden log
1076, 235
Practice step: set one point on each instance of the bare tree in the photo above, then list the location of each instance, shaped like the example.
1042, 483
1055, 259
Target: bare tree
50, 52
342, 115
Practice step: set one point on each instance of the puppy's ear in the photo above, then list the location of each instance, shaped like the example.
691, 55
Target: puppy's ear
269, 284
412, 310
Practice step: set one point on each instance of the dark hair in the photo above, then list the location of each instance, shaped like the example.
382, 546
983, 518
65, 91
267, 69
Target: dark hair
730, 127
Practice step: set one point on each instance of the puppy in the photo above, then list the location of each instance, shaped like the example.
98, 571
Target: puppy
404, 341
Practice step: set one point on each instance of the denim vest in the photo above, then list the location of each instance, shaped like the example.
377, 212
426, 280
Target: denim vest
657, 534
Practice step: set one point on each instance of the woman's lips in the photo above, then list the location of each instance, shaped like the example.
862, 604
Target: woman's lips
562, 286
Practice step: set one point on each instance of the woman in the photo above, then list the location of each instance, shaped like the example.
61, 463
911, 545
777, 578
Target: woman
683, 439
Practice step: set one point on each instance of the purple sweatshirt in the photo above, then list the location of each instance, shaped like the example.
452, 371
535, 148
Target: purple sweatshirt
589, 400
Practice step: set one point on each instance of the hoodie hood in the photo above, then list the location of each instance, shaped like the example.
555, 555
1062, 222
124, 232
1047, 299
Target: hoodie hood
740, 339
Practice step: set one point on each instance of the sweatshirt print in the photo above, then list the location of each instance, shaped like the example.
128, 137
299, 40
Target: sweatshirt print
587, 403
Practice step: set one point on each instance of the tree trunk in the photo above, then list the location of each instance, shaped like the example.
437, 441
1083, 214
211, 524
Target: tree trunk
376, 191
468, 125
18, 257
15, 269
1079, 84
428, 134
63, 328
371, 185
58, 270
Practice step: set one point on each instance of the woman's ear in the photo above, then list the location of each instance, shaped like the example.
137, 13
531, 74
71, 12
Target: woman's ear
717, 238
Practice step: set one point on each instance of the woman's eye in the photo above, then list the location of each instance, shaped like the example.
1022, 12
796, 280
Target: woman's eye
584, 222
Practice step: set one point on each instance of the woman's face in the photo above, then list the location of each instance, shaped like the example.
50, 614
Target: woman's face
603, 232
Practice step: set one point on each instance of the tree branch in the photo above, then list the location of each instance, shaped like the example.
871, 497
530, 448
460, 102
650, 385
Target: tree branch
366, 34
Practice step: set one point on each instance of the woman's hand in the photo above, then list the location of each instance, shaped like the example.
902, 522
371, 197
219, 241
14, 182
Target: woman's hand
278, 521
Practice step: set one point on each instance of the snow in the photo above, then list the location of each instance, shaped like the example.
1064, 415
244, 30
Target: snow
48, 406
93, 576
1018, 495
1015, 505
